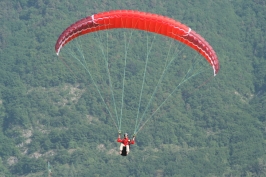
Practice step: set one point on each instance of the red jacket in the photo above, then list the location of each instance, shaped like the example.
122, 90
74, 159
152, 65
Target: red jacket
125, 141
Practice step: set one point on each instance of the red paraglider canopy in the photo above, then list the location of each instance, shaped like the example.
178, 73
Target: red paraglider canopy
140, 21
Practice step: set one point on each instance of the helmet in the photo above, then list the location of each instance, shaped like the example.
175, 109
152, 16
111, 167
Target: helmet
125, 134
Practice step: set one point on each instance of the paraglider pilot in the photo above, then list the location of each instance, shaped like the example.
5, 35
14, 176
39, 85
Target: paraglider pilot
125, 143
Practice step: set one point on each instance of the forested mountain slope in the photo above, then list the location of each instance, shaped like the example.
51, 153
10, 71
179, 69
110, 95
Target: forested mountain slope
50, 110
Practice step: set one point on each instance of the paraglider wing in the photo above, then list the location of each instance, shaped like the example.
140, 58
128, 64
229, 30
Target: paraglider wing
140, 21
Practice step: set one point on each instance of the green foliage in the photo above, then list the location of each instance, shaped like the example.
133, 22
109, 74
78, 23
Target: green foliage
51, 111
28, 165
